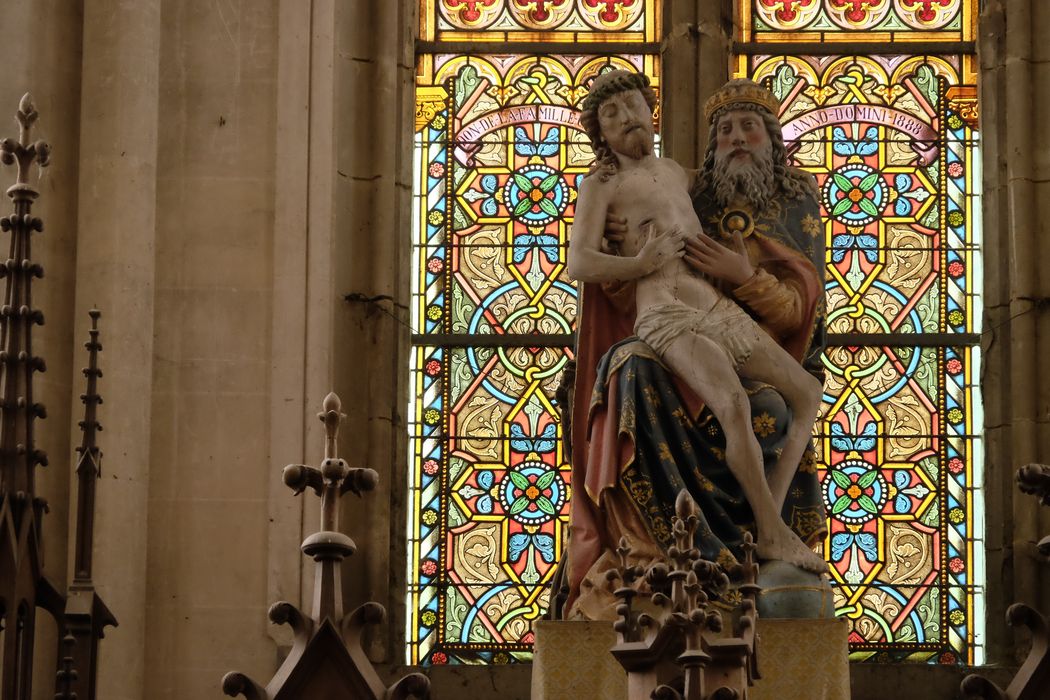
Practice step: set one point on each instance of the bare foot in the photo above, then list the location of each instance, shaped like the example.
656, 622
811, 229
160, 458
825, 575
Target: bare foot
785, 545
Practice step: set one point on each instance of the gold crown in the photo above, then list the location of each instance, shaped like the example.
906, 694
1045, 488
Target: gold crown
741, 91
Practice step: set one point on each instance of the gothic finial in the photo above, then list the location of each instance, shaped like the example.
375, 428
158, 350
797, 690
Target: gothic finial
331, 417
27, 113
89, 463
684, 506
682, 586
24, 152
331, 402
91, 398
18, 364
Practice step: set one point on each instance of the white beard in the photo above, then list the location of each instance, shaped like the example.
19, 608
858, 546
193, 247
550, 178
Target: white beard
753, 180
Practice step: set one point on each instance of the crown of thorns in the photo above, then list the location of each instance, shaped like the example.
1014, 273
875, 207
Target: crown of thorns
741, 92
613, 82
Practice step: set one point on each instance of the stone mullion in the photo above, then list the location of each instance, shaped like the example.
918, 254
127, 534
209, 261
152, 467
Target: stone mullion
115, 265
694, 63
297, 225
371, 250
1016, 303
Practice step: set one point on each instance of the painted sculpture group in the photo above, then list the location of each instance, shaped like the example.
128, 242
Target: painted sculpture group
699, 339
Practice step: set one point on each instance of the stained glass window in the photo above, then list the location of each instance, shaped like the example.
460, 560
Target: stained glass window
501, 21
499, 153
894, 21
892, 140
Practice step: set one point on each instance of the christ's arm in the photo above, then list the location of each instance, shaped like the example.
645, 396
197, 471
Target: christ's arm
587, 262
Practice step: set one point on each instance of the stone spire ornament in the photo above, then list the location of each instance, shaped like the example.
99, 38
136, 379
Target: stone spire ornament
327, 659
23, 586
17, 315
86, 615
682, 627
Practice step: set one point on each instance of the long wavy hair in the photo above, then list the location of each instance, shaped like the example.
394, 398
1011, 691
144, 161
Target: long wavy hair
602, 88
794, 183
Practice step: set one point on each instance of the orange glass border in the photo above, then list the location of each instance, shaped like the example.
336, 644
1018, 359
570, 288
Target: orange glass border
651, 13
744, 30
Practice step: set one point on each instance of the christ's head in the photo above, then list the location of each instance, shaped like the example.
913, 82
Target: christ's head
618, 116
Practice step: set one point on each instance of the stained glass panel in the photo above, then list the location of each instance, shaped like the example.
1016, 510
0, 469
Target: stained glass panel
540, 20
499, 156
856, 20
893, 145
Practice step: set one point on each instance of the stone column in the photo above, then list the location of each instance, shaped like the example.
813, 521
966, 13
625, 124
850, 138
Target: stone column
344, 129
695, 64
1015, 104
374, 105
115, 272
304, 49
213, 310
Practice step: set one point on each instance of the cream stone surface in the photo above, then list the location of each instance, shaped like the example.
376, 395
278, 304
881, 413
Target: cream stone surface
572, 660
115, 272
797, 659
696, 38
223, 174
208, 502
802, 659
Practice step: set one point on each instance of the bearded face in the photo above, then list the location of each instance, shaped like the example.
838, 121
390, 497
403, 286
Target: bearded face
743, 160
626, 124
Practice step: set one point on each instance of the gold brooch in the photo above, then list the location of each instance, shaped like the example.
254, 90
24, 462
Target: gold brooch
736, 221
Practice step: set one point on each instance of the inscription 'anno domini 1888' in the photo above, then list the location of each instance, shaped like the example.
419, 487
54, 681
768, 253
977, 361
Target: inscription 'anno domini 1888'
924, 135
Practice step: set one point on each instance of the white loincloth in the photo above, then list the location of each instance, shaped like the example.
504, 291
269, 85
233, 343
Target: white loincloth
726, 324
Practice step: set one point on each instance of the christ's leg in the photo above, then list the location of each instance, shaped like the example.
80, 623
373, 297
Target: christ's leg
772, 364
704, 366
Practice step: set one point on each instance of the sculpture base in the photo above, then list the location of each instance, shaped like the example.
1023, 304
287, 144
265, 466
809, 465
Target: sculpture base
802, 659
797, 659
571, 659
790, 592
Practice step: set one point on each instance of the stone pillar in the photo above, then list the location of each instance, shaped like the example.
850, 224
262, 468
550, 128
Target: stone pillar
303, 52
344, 92
1015, 104
115, 272
211, 408
374, 104
305, 298
695, 64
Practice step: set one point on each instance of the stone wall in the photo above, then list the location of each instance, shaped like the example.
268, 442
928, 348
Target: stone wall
1015, 104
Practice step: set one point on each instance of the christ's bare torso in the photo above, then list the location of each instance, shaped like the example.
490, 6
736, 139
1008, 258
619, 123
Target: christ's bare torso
654, 197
